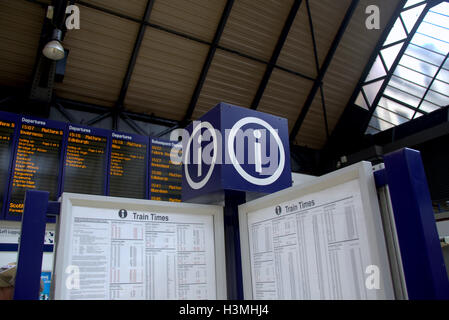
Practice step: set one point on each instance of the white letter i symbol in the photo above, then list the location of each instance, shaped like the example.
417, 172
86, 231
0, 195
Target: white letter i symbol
258, 151
200, 160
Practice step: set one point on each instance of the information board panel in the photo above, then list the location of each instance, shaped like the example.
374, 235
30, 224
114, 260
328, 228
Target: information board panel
8, 125
165, 176
320, 240
86, 160
116, 248
128, 166
37, 162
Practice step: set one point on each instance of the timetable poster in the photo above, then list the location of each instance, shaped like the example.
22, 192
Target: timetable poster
7, 130
128, 254
37, 163
315, 247
128, 166
86, 161
165, 175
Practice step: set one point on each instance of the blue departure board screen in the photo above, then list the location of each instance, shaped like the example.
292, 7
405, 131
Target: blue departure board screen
86, 160
165, 175
128, 166
8, 125
53, 156
37, 162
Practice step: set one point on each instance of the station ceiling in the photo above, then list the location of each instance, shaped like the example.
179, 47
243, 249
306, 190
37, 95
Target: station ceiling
301, 60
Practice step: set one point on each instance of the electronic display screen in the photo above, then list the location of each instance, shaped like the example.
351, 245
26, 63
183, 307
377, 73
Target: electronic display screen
166, 176
128, 166
7, 128
85, 162
37, 162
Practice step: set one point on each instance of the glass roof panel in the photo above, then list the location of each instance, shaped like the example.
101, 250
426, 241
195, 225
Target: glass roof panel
443, 75
437, 98
377, 70
380, 124
389, 54
402, 96
410, 16
405, 72
428, 107
407, 86
412, 2
397, 108
419, 84
397, 33
389, 116
424, 55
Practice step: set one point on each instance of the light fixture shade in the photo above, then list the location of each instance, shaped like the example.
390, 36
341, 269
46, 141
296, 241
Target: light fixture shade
54, 50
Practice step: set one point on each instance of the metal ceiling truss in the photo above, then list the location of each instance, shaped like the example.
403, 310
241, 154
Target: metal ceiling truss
317, 66
213, 46
276, 52
322, 72
209, 58
105, 112
132, 62
271, 64
342, 130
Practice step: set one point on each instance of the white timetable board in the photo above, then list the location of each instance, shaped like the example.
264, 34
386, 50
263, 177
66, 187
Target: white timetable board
115, 248
322, 240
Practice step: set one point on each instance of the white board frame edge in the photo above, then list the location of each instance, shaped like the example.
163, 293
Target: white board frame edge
68, 200
361, 171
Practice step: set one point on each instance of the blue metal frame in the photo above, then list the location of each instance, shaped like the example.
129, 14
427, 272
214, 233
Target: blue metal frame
422, 259
234, 277
31, 246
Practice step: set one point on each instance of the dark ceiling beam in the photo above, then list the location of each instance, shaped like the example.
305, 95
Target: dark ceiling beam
64, 113
135, 53
210, 56
323, 69
98, 118
393, 66
166, 131
276, 52
317, 66
92, 108
188, 37
119, 105
133, 125
150, 118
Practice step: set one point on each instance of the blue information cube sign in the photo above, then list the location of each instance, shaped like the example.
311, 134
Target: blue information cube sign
234, 148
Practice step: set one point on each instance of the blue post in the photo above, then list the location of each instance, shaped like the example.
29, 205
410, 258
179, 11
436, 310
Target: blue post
29, 262
422, 259
232, 244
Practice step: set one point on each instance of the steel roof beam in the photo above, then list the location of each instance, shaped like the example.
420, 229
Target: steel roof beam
276, 52
323, 69
134, 55
209, 58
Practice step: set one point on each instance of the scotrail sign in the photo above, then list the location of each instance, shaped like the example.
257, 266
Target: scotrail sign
234, 148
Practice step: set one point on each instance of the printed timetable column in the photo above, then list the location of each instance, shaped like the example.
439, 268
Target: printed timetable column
128, 166
166, 176
7, 130
86, 161
37, 162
